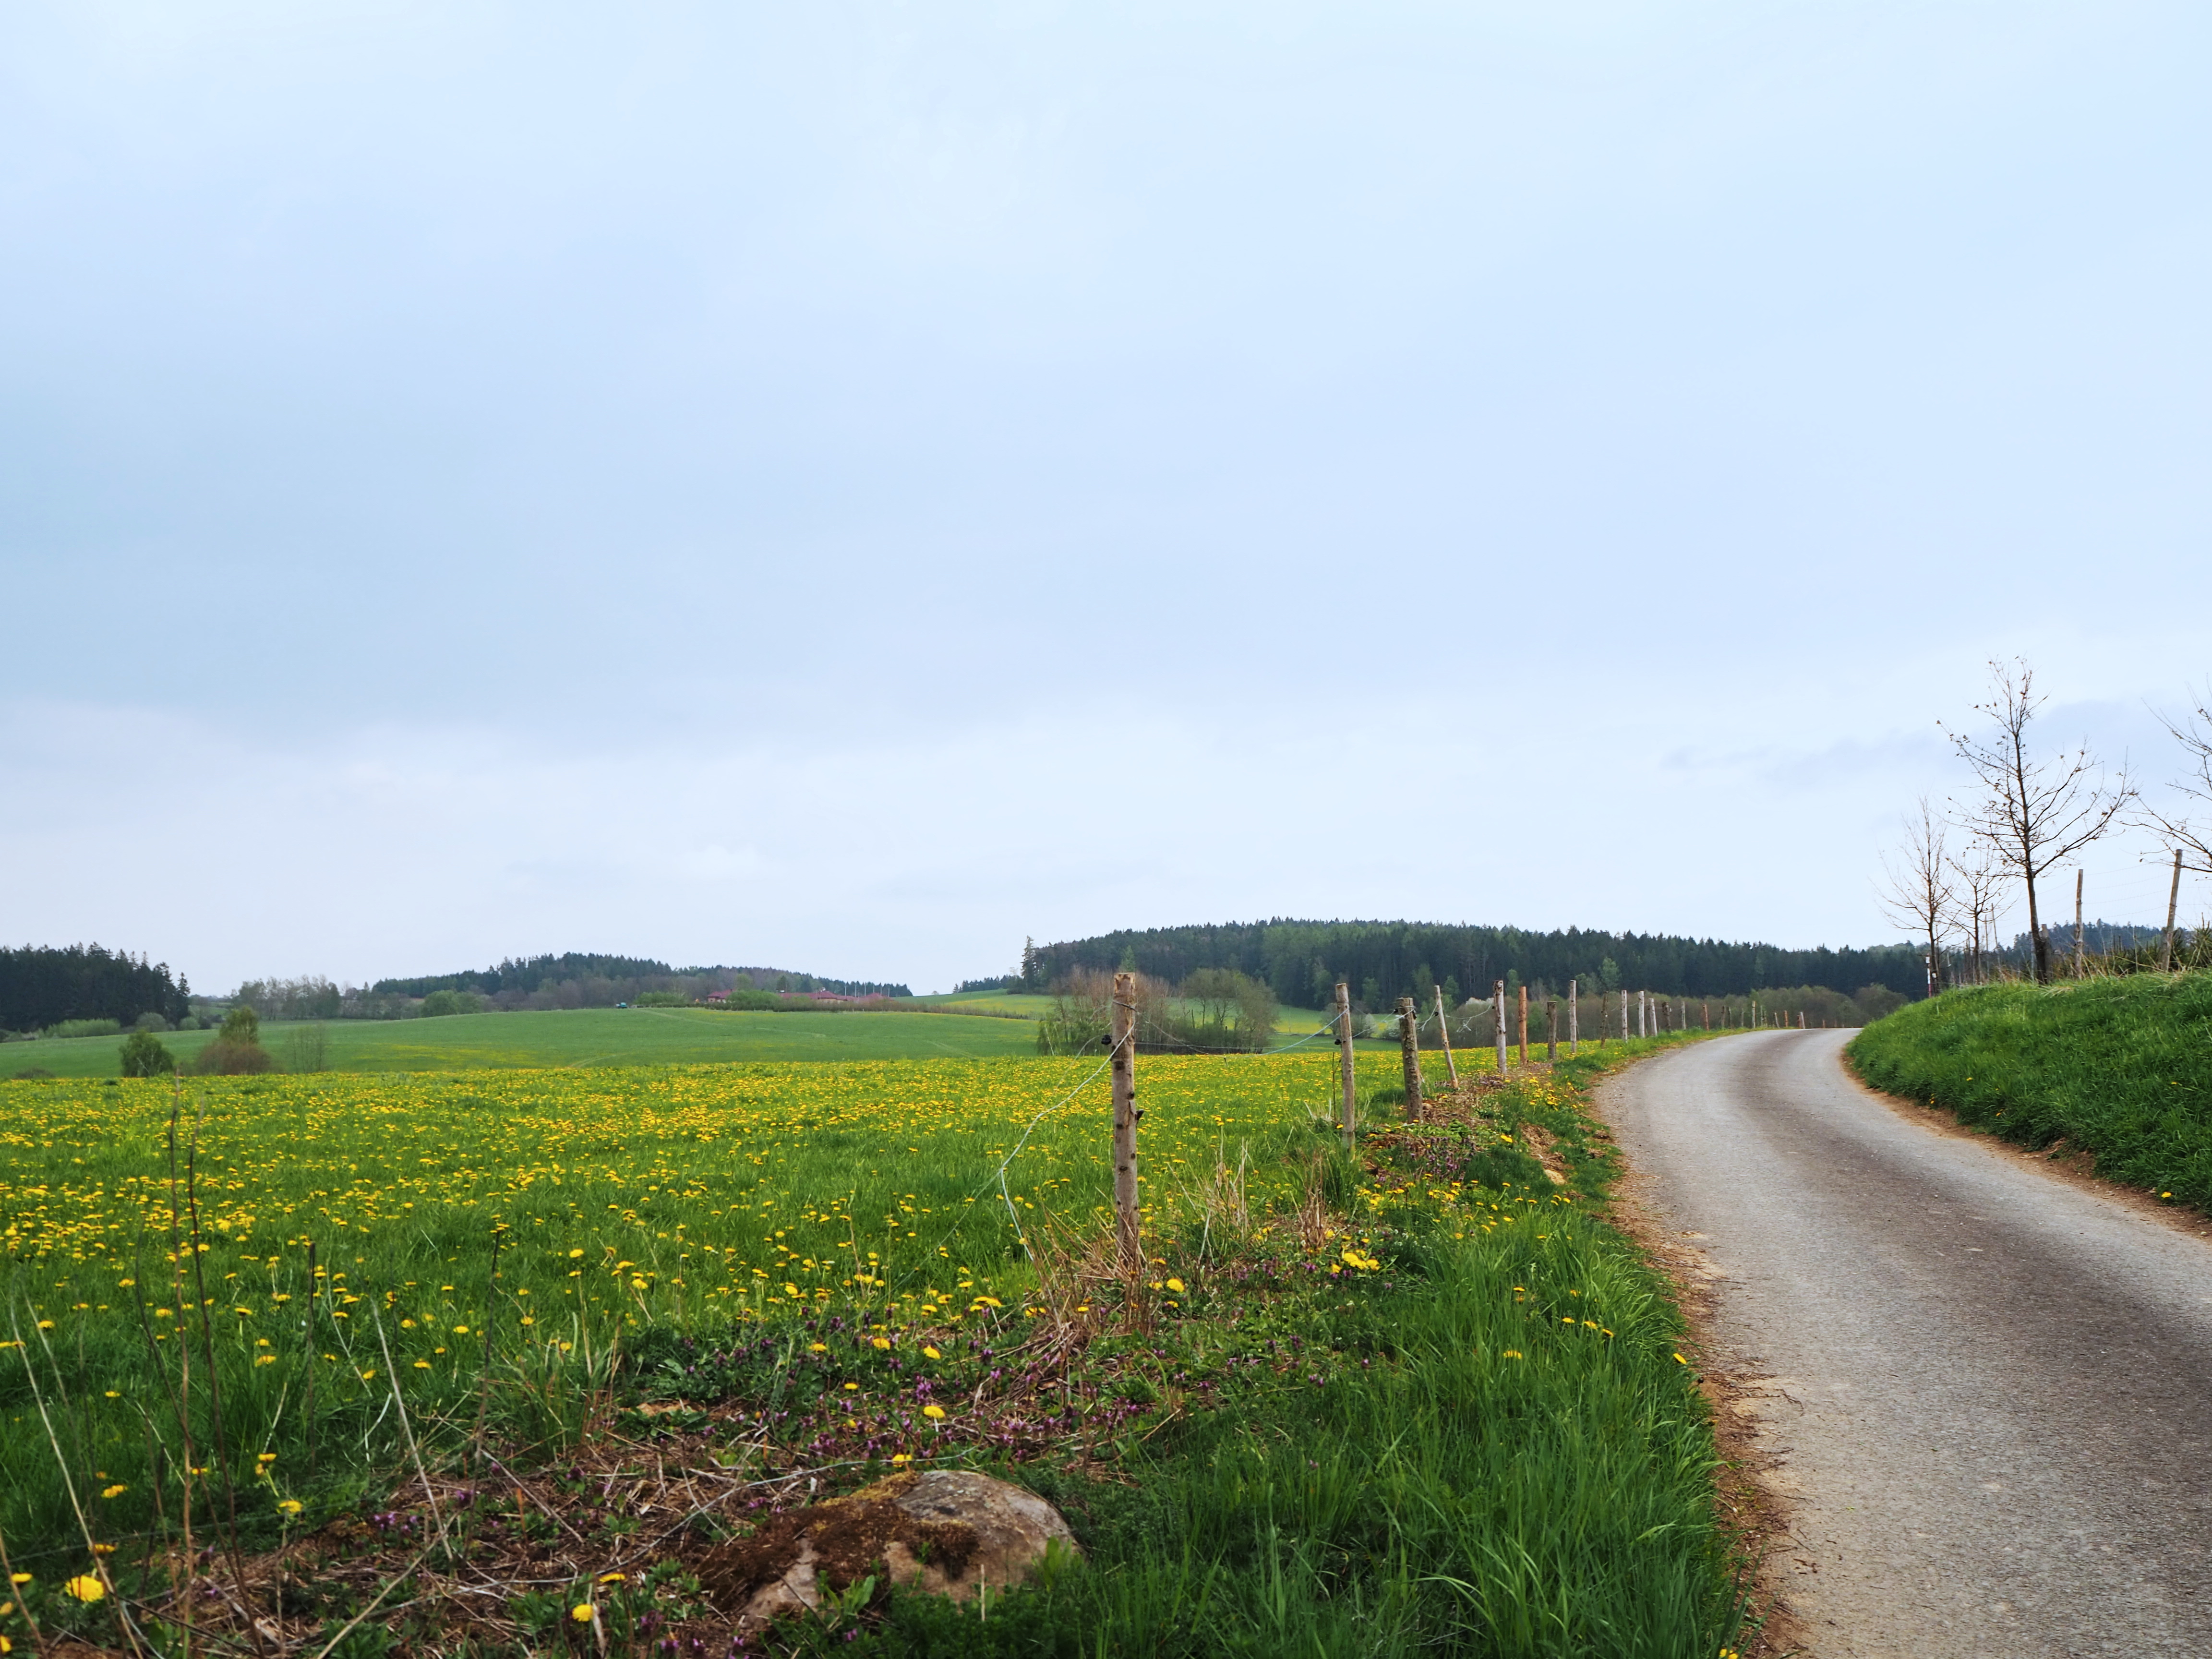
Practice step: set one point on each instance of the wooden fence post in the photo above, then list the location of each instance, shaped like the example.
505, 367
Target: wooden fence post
1443, 1036
2079, 965
1344, 1056
1124, 1121
1551, 1031
1623, 1015
1409, 1044
1574, 1024
2173, 902
1498, 1001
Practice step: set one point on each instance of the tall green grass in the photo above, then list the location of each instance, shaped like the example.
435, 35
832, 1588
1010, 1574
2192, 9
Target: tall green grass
1477, 1439
2119, 1067
1436, 1494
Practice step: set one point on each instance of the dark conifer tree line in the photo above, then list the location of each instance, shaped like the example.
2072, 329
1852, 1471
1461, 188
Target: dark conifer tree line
1382, 961
44, 985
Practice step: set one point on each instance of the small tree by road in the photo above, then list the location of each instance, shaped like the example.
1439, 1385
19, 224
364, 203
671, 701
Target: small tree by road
1917, 893
2181, 830
2033, 811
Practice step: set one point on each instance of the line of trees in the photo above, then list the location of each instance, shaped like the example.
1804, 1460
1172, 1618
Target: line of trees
1301, 962
2029, 810
513, 981
572, 980
42, 986
1215, 1011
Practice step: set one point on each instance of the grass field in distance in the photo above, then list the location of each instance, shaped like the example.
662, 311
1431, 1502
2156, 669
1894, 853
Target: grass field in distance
581, 1036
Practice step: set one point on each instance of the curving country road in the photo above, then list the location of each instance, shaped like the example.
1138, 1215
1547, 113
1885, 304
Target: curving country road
1989, 1391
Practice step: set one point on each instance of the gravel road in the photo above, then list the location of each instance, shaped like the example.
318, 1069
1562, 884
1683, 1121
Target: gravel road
1991, 1391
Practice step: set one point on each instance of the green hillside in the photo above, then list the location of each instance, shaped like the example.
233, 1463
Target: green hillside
583, 1036
2121, 1068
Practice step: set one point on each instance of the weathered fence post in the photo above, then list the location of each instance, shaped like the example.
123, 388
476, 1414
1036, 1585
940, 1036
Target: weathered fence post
1409, 1044
2173, 902
1124, 1121
1574, 1024
1443, 1036
1623, 1015
1499, 1002
1344, 1056
1551, 1031
2080, 966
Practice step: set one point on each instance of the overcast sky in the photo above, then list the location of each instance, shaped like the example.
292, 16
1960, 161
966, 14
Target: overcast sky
851, 486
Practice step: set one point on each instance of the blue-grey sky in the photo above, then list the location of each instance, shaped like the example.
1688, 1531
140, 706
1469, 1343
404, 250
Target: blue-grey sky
852, 485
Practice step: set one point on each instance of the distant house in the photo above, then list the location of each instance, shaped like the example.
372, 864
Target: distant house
718, 996
832, 996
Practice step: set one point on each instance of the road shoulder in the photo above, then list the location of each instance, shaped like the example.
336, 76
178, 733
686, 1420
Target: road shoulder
1752, 1488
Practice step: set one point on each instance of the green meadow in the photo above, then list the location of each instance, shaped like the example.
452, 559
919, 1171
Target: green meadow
582, 1036
2112, 1067
1418, 1400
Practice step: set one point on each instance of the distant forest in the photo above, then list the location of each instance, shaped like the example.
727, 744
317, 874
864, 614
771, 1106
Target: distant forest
1382, 961
45, 985
572, 980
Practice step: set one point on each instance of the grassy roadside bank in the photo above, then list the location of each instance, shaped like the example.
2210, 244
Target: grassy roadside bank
2118, 1068
1421, 1398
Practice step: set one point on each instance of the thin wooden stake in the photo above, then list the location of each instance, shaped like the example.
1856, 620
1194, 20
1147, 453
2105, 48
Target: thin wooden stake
1344, 1056
1551, 1031
1443, 1034
1409, 1045
1574, 1024
1124, 1121
1500, 1005
2078, 965
2173, 902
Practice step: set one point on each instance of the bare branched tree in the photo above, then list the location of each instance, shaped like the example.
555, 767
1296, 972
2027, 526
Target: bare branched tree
2182, 830
2033, 812
1981, 882
1917, 891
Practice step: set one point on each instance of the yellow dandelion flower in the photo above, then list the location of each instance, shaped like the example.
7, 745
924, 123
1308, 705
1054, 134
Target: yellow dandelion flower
85, 1587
